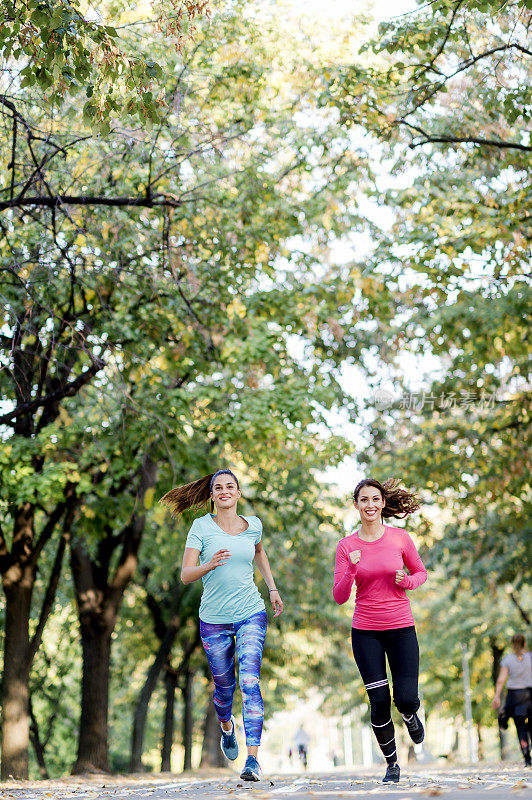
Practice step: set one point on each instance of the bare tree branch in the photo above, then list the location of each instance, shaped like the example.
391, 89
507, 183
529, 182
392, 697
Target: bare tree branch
520, 608
430, 139
68, 390
144, 201
53, 582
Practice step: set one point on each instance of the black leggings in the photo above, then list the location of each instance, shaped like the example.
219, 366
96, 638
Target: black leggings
519, 706
370, 649
524, 735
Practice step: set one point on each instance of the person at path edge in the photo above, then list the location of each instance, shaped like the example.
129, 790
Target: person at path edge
374, 558
232, 612
517, 668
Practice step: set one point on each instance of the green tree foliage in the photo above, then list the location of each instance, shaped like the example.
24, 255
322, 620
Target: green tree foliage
67, 49
448, 95
450, 616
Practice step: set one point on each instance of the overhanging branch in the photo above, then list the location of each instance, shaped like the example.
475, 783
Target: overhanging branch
67, 390
144, 201
430, 139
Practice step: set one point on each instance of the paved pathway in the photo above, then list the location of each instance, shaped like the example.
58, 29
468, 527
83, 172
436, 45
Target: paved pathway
491, 783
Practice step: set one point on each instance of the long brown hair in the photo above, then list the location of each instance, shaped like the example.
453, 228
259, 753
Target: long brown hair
518, 642
399, 502
195, 493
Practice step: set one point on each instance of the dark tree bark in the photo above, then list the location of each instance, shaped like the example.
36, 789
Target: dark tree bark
93, 729
211, 753
480, 742
524, 616
15, 689
18, 577
99, 598
38, 746
161, 658
141, 710
170, 682
188, 723
496, 658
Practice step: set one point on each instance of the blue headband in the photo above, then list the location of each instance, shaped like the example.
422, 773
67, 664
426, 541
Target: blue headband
223, 472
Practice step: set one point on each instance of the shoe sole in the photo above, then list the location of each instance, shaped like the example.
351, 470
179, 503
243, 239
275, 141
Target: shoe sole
249, 776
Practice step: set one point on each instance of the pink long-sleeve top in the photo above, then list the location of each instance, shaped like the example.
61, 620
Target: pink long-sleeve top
380, 603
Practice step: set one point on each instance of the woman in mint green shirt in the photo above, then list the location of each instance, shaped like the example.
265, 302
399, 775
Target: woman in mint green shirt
232, 612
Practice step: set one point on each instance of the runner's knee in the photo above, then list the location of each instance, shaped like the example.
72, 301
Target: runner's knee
249, 683
406, 702
380, 704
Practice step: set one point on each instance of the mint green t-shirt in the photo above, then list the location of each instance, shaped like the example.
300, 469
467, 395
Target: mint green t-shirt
229, 592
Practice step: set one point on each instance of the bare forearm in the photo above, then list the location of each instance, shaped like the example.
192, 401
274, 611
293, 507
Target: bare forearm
191, 574
501, 680
261, 560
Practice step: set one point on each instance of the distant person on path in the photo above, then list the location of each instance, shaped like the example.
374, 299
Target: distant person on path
301, 741
516, 667
374, 558
232, 612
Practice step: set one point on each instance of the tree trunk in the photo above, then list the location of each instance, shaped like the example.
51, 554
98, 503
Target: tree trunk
18, 578
99, 598
93, 753
141, 710
496, 655
15, 689
38, 747
211, 753
187, 718
170, 680
480, 744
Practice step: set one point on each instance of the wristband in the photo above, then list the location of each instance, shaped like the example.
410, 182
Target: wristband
273, 590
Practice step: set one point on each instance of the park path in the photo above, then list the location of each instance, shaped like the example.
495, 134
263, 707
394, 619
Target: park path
489, 782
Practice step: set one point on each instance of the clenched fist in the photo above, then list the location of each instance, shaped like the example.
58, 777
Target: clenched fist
219, 559
354, 556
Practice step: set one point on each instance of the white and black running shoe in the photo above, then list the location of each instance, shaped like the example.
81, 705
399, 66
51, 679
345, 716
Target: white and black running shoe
415, 728
393, 773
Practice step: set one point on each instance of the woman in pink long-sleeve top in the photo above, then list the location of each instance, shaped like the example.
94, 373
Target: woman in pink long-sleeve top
374, 559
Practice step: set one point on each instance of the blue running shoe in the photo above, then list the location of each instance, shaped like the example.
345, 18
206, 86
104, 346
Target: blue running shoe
251, 771
229, 744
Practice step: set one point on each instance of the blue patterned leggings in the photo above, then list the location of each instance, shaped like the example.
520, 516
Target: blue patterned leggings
219, 644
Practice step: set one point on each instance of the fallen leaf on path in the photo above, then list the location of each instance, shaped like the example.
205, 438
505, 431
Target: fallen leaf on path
434, 791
